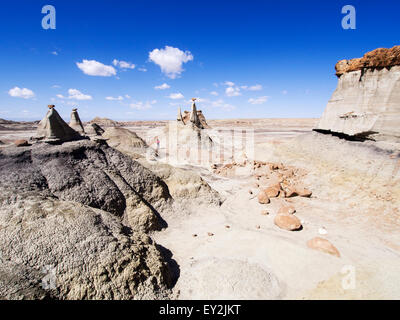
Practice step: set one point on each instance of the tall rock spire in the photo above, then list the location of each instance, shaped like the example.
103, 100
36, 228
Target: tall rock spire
75, 122
179, 117
193, 115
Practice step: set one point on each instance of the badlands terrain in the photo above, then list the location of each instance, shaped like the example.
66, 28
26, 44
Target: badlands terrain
222, 209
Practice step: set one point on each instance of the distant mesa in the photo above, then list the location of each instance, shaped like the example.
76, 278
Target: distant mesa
366, 102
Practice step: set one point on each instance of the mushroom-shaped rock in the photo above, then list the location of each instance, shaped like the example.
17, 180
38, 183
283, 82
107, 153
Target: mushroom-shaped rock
52, 128
287, 222
75, 122
323, 245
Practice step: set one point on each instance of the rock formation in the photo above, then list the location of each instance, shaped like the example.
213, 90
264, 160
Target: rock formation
196, 117
79, 210
366, 103
123, 140
54, 129
75, 122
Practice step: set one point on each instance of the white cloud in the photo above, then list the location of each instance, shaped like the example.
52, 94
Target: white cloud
214, 93
176, 96
139, 105
60, 96
75, 94
170, 60
259, 100
229, 83
162, 87
95, 68
127, 96
220, 103
119, 98
55, 53
256, 87
24, 93
232, 91
142, 69
123, 64
56, 86
285, 92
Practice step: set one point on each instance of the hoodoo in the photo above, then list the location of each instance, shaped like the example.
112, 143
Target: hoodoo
196, 117
366, 103
75, 122
52, 128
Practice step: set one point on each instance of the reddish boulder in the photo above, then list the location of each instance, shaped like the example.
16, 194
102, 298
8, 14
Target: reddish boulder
287, 222
323, 245
21, 143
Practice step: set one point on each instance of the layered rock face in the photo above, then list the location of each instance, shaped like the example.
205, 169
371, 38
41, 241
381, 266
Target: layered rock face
366, 103
62, 209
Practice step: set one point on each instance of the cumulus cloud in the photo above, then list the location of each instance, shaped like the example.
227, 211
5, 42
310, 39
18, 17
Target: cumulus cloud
75, 94
123, 64
142, 69
256, 87
23, 93
214, 93
139, 105
229, 83
162, 87
176, 96
55, 53
95, 68
60, 96
119, 98
170, 60
259, 100
232, 91
220, 103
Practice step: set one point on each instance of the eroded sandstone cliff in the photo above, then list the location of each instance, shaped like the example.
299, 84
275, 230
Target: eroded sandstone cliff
366, 102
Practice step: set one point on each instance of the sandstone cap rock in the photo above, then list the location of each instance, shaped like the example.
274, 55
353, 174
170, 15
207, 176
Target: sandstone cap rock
287, 222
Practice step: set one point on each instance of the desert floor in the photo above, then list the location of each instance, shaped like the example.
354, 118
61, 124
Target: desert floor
235, 252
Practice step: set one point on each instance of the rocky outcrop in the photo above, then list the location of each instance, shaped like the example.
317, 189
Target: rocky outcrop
105, 122
62, 207
86, 172
123, 139
377, 59
64, 250
366, 103
53, 128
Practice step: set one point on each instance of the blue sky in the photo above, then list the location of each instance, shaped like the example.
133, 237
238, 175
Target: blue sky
243, 59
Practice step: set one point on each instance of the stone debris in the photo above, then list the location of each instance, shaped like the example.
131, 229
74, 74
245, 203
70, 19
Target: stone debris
323, 245
287, 210
287, 222
210, 234
263, 197
21, 143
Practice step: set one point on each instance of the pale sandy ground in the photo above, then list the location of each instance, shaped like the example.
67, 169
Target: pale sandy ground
247, 262
230, 264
